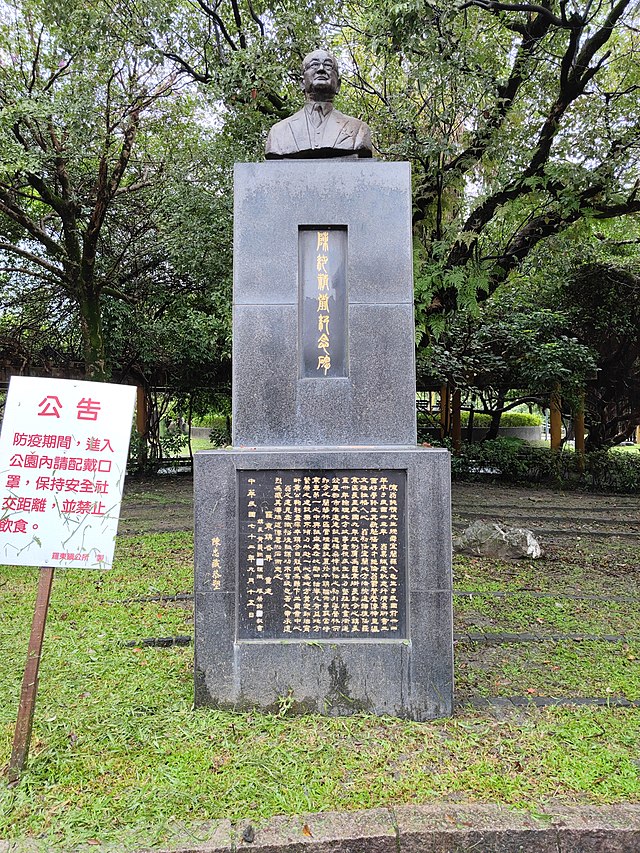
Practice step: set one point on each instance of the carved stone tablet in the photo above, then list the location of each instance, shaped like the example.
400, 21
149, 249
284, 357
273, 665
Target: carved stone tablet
322, 554
322, 277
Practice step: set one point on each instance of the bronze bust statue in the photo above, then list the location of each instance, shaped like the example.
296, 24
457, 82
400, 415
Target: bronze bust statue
318, 130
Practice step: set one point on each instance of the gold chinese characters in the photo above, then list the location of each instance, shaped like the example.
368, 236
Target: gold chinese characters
323, 311
319, 553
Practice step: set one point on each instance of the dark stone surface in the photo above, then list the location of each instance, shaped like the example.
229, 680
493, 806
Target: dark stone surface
323, 242
322, 275
290, 532
410, 677
434, 828
375, 403
575, 840
487, 841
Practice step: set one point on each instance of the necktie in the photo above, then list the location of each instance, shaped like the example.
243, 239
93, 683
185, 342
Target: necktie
316, 115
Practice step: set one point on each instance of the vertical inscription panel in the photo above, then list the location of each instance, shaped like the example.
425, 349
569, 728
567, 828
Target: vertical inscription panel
322, 284
322, 554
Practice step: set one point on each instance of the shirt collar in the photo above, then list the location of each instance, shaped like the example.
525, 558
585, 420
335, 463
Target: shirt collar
327, 106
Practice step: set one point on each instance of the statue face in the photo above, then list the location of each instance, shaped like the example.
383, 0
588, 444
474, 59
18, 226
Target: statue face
320, 77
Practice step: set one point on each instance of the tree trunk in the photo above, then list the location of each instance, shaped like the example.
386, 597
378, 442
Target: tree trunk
456, 425
444, 411
495, 420
470, 425
95, 362
555, 417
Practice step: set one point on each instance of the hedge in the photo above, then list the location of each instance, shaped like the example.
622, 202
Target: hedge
480, 420
513, 461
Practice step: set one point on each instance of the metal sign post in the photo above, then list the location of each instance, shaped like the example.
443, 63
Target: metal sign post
24, 723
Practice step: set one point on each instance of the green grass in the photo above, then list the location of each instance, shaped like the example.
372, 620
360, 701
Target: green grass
585, 669
607, 567
524, 613
196, 444
118, 754
202, 444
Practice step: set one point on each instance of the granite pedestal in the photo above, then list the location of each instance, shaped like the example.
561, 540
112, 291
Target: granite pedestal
273, 403
323, 537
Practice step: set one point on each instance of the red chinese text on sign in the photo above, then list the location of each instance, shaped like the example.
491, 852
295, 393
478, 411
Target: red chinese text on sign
61, 485
50, 407
88, 409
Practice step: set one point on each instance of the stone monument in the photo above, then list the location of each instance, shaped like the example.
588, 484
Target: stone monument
323, 536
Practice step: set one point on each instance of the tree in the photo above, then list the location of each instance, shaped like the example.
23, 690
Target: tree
512, 352
603, 304
80, 121
520, 119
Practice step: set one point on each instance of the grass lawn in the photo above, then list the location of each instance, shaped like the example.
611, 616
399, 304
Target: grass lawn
119, 755
201, 444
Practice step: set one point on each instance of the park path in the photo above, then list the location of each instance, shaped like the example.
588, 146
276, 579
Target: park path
554, 516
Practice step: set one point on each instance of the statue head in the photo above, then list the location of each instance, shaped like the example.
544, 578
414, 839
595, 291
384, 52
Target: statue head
320, 76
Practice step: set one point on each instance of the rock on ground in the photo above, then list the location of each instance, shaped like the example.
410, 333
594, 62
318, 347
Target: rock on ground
488, 539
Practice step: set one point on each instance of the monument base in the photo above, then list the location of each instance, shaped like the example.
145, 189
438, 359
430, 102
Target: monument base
323, 580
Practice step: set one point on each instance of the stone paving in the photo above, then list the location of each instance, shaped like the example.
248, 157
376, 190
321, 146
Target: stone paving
554, 516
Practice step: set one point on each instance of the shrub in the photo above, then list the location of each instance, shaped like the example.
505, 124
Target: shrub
509, 419
514, 461
428, 423
480, 420
220, 434
613, 472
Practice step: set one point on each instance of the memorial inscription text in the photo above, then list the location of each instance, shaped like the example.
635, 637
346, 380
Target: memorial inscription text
322, 554
322, 261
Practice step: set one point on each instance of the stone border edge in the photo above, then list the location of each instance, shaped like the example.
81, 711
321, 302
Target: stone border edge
438, 828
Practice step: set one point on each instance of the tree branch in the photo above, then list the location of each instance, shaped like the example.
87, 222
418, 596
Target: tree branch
29, 272
531, 8
238, 19
15, 250
575, 74
219, 23
15, 213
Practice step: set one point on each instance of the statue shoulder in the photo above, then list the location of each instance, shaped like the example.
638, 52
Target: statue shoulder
279, 136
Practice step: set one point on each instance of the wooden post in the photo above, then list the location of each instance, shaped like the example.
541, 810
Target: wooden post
444, 411
556, 419
142, 421
141, 411
456, 420
24, 722
578, 429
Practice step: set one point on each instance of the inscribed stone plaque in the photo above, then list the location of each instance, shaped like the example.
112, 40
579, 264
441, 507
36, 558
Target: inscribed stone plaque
322, 281
322, 554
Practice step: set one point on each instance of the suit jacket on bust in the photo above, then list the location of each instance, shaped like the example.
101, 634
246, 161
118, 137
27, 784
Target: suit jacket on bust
338, 135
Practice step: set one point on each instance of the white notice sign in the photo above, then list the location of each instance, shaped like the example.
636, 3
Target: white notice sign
63, 458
